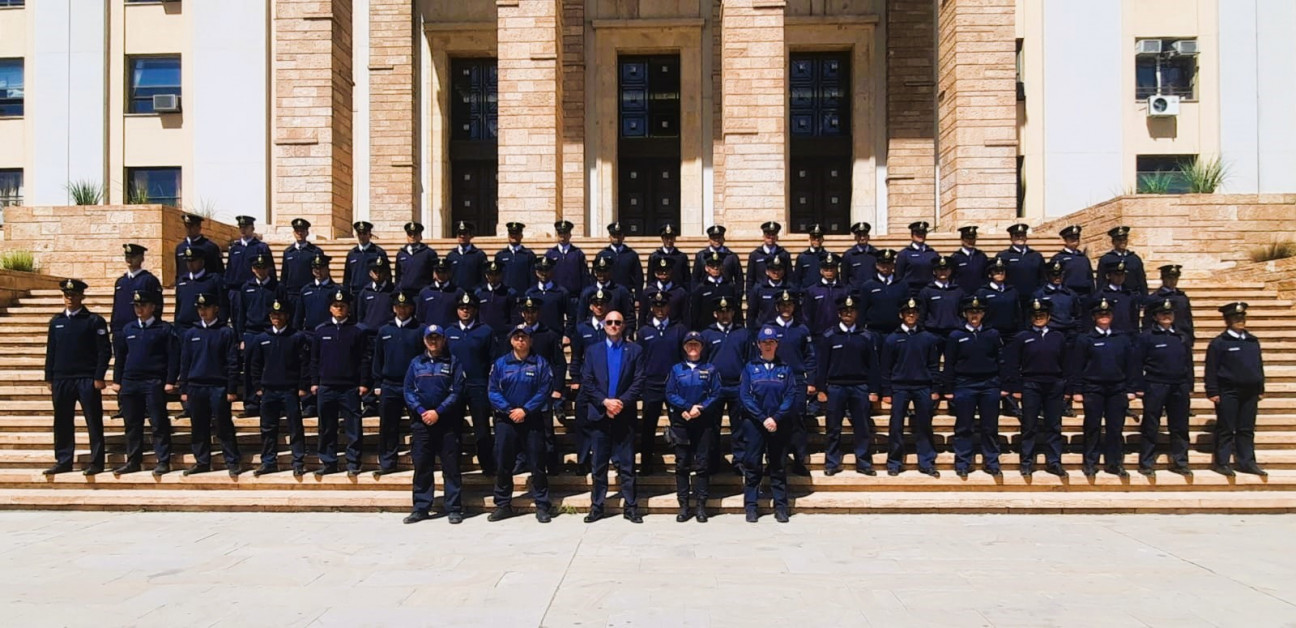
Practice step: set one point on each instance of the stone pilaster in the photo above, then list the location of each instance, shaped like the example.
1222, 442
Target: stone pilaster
393, 121
911, 113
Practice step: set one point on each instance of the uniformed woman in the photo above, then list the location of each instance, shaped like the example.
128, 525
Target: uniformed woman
1235, 384
767, 392
692, 388
432, 386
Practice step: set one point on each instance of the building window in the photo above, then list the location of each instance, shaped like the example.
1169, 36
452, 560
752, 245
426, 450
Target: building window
153, 186
648, 142
11, 187
1021, 64
474, 142
820, 122
11, 87
1163, 174
1166, 67
149, 77
11, 3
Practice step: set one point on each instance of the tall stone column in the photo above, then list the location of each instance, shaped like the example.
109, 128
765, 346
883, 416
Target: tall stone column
530, 112
312, 114
911, 114
754, 92
977, 110
394, 175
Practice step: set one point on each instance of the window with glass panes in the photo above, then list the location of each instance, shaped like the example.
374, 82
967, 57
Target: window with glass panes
474, 142
819, 112
648, 142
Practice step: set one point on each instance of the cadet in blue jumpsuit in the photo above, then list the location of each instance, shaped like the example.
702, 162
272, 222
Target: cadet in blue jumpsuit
339, 369
612, 382
1077, 270
251, 316
414, 261
797, 350
470, 344
1164, 380
355, 274
692, 390
729, 348
767, 390
805, 272
1034, 372
209, 375
730, 265
970, 380
432, 385
280, 364
77, 351
519, 389
467, 262
761, 255
1235, 383
969, 262
914, 262
517, 260
848, 382
148, 362
297, 258
910, 376
660, 339
394, 346
859, 262
1103, 367
548, 344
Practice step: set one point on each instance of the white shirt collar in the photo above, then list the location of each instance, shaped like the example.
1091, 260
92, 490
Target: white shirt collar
1042, 330
843, 327
336, 320
885, 279
660, 322
468, 326
907, 329
205, 324
1102, 332
401, 323
198, 275
975, 330
784, 322
131, 274
1239, 336
278, 331
147, 322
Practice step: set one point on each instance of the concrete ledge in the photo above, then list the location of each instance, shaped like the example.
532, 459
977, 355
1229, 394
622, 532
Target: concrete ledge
16, 284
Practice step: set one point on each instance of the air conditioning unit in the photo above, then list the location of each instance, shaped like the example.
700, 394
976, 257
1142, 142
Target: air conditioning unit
1184, 47
166, 103
1162, 106
1147, 47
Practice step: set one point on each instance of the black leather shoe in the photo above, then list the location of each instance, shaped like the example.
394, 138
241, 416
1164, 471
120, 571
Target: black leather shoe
1027, 471
455, 518
1223, 470
381, 472
264, 469
833, 471
198, 468
866, 471
417, 516
1253, 469
684, 514
930, 472
299, 470
1090, 472
1056, 469
752, 516
632, 515
894, 472
801, 470
353, 473
235, 470
701, 513
132, 467
500, 513
1181, 470
594, 515
161, 469
1147, 472
781, 516
327, 469
57, 469
961, 473
995, 472
94, 469
544, 515
1117, 471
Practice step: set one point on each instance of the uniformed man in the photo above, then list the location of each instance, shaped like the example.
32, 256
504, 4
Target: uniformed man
195, 240
497, 305
136, 279
678, 259
548, 344
208, 377
196, 280
914, 262
1103, 366
147, 364
970, 380
519, 388
797, 350
312, 310
280, 365
663, 270
297, 259
517, 260
570, 268
1135, 274
880, 296
768, 250
77, 351
470, 344
433, 383
251, 317
340, 366
760, 298
612, 382
555, 302
767, 390
730, 265
661, 340
1235, 383
1164, 381
910, 376
1025, 265
939, 299
241, 253
394, 345
355, 275
1169, 290
1078, 272
819, 301
414, 261
808, 262
587, 333
969, 262
373, 302
1001, 303
620, 297
692, 390
848, 382
626, 268
467, 262
859, 261
1125, 304
728, 347
1034, 372
439, 300
713, 285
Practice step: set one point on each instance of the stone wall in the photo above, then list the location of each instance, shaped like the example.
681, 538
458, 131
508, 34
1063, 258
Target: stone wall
911, 113
16, 284
393, 104
85, 241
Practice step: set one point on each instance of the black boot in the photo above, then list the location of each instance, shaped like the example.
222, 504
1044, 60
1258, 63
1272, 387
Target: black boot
684, 514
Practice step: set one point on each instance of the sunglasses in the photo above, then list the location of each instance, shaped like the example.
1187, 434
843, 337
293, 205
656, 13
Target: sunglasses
612, 323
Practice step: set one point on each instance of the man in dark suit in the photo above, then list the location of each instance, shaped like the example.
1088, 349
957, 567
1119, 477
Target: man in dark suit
612, 381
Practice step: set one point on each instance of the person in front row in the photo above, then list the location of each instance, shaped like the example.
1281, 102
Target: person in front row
519, 388
692, 389
767, 391
432, 386
612, 381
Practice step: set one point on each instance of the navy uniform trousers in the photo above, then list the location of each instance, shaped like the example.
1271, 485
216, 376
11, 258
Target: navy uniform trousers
427, 443
693, 440
1172, 400
773, 448
139, 398
527, 438
344, 401
849, 400
1046, 399
391, 409
68, 392
277, 403
612, 443
209, 404
920, 425
1104, 423
973, 398
1235, 425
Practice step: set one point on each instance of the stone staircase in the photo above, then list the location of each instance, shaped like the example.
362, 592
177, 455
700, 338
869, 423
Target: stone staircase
26, 441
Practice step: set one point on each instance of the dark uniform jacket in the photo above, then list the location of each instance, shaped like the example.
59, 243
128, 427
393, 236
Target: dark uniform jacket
281, 360
972, 356
210, 252
910, 360
123, 310
414, 266
297, 266
340, 357
519, 267
467, 265
209, 356
355, 275
394, 346
1233, 363
146, 353
77, 346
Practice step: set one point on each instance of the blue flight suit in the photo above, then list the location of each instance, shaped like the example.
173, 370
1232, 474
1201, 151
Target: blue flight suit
414, 266
252, 316
797, 350
77, 351
1103, 367
1025, 270
626, 270
296, 273
678, 299
1034, 367
525, 384
940, 312
680, 274
437, 304
148, 359
548, 344
239, 268
969, 269
372, 306
729, 350
209, 250
1135, 273
186, 292
123, 309
472, 348
766, 390
859, 264
914, 266
355, 274
434, 383
556, 307
340, 364
280, 365
1182, 305
1077, 271
757, 260
691, 385
519, 267
730, 266
467, 266
571, 272
1164, 378
849, 370
819, 305
701, 297
209, 370
1124, 303
662, 349
880, 309
395, 345
605, 375
1235, 374
910, 374
622, 300
971, 375
760, 302
806, 271
1002, 308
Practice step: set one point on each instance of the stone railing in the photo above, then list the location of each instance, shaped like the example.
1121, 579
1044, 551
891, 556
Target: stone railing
15, 284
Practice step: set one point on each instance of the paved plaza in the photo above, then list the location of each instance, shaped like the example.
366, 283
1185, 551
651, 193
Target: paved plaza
182, 569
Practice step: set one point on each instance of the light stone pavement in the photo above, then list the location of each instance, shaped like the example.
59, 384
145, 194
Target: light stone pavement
182, 569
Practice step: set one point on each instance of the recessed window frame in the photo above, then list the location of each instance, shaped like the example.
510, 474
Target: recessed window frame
142, 104
1159, 65
12, 106
11, 187
153, 198
1167, 165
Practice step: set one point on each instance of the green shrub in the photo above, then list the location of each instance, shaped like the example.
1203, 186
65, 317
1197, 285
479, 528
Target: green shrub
18, 260
1156, 183
85, 192
1204, 175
